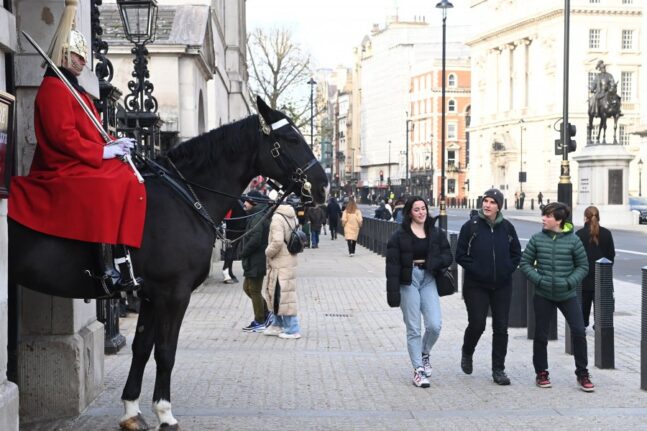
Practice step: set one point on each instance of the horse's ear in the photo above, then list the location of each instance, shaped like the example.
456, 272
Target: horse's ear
263, 109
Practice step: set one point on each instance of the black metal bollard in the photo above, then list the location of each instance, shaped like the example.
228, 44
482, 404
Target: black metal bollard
568, 339
552, 328
643, 336
108, 314
532, 203
604, 305
518, 317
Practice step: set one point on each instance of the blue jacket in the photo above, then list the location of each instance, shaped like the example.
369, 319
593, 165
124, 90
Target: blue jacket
491, 255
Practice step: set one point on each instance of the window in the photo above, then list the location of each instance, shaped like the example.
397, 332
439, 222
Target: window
451, 131
451, 80
627, 1
451, 106
623, 136
594, 38
626, 86
594, 1
451, 158
451, 186
627, 39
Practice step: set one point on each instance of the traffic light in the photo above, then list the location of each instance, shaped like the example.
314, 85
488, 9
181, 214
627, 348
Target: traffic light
572, 145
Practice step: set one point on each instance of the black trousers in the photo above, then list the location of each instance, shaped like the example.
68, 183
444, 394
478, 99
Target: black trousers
478, 300
588, 298
351, 245
573, 314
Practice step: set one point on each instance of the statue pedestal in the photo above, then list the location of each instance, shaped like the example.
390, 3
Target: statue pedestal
604, 182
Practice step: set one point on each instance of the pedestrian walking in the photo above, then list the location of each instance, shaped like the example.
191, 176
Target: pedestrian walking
316, 217
417, 253
351, 221
252, 254
540, 199
598, 243
334, 213
555, 262
279, 285
488, 249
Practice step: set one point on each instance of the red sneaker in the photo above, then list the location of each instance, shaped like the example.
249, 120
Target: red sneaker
542, 380
585, 383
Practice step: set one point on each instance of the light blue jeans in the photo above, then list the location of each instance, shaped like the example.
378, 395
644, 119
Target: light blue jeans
420, 299
289, 324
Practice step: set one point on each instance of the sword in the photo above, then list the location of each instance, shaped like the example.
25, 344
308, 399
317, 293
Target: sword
126, 158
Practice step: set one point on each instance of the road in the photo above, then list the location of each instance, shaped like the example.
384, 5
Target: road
631, 252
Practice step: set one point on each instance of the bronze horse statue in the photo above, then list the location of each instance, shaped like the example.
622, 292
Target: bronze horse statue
175, 254
608, 106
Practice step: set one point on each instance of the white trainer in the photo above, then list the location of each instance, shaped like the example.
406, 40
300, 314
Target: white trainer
419, 378
289, 336
273, 330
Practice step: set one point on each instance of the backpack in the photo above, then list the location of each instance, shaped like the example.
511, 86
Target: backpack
474, 225
297, 241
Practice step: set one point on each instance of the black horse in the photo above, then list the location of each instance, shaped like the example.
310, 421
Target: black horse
175, 254
608, 106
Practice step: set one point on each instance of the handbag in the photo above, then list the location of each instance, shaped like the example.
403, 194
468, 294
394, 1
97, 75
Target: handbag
446, 283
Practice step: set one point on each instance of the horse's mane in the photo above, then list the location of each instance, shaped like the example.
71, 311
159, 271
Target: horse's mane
226, 142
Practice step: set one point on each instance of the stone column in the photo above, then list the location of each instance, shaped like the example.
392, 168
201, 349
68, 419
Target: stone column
60, 348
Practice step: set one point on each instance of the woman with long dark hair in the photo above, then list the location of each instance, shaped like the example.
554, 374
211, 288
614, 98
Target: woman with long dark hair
417, 253
598, 243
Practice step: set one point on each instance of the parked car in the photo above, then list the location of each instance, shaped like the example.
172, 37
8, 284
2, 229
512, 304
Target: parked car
639, 204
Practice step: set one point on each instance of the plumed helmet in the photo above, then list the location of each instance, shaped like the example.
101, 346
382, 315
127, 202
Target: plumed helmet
600, 65
77, 44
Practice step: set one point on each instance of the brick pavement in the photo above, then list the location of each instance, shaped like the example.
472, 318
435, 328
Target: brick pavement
351, 371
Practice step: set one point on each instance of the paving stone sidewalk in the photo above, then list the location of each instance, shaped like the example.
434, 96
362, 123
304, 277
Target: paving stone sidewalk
351, 371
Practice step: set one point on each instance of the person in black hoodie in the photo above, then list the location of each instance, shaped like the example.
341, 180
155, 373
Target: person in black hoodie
488, 249
598, 243
416, 254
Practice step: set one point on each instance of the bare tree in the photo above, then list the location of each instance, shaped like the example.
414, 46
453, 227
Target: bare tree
279, 71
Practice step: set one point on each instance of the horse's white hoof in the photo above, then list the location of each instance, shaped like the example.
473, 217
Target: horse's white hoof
167, 427
135, 423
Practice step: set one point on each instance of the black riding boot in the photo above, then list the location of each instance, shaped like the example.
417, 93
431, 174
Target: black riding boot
127, 280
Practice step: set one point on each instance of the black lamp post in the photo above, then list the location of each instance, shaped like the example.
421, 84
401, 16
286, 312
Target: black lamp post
388, 179
565, 187
522, 174
444, 5
640, 177
312, 83
139, 18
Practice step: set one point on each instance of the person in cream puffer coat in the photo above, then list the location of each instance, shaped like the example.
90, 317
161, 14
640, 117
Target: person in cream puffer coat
279, 286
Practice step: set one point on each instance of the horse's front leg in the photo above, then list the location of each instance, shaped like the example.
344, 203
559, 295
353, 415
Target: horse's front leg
167, 331
132, 420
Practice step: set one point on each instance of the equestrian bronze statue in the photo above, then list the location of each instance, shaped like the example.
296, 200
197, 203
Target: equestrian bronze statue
604, 103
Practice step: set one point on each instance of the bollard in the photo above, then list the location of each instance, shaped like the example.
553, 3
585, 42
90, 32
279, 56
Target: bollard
568, 339
552, 328
643, 337
532, 203
604, 305
108, 314
518, 317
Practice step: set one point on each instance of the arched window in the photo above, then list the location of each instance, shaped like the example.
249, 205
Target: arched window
451, 105
451, 80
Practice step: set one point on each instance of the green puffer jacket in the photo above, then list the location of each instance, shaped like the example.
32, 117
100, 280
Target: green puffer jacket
252, 252
556, 263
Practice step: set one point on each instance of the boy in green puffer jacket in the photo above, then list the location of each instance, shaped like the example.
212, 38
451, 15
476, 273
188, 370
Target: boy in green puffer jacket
556, 263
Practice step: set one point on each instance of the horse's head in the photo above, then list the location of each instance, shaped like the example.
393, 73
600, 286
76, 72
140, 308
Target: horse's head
287, 158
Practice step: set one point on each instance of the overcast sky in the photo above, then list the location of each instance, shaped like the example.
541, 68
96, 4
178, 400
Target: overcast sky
329, 29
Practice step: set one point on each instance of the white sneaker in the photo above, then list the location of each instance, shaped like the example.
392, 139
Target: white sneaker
273, 330
419, 378
289, 336
426, 365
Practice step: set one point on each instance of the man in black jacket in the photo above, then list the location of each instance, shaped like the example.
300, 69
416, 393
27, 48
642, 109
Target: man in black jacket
253, 259
489, 251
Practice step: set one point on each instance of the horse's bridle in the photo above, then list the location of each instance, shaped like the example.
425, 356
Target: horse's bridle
299, 177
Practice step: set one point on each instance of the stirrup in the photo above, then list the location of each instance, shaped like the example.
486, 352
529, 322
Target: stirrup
127, 280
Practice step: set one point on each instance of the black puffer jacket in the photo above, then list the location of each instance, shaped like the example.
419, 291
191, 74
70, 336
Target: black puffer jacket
399, 257
594, 252
252, 252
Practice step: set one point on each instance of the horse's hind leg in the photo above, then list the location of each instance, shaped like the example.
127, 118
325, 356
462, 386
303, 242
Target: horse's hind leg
167, 331
132, 419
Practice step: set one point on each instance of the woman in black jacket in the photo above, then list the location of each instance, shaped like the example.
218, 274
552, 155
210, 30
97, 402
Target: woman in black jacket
598, 243
416, 254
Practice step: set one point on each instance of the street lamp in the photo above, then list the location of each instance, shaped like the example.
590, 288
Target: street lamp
444, 5
565, 187
312, 83
388, 179
139, 18
640, 177
522, 174
406, 167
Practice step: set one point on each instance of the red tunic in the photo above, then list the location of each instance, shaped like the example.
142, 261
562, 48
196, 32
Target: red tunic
71, 192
